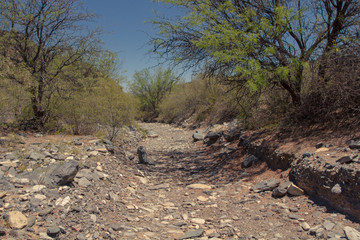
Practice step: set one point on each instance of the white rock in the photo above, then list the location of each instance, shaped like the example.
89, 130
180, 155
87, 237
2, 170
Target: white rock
351, 233
295, 190
37, 188
62, 202
17, 220
198, 220
199, 186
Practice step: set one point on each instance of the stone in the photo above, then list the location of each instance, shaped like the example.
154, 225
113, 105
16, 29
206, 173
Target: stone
197, 136
351, 233
84, 182
354, 145
37, 188
305, 226
328, 225
53, 231
198, 221
306, 155
143, 159
58, 174
16, 219
212, 137
193, 234
199, 186
249, 161
295, 190
2, 231
202, 199
62, 201
31, 221
116, 227
279, 192
266, 185
323, 149
152, 134
345, 159
336, 189
319, 145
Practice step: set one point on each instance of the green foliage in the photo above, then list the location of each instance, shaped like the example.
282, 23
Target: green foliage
151, 88
254, 44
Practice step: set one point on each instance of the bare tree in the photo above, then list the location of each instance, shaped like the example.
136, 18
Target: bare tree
46, 37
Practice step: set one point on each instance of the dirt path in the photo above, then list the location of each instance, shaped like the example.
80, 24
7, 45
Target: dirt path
221, 205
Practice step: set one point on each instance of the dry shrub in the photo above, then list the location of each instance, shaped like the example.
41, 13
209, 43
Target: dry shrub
203, 99
335, 97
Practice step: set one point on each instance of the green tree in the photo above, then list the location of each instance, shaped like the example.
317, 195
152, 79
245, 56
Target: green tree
45, 37
151, 88
253, 43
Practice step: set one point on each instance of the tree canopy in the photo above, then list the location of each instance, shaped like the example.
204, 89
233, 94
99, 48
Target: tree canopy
254, 43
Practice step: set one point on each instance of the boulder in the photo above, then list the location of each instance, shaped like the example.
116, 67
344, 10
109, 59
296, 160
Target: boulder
143, 159
351, 233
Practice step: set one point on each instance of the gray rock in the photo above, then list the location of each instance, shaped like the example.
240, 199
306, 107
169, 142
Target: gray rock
279, 192
328, 225
58, 174
84, 182
345, 159
354, 145
31, 221
306, 155
36, 156
193, 234
116, 227
197, 136
266, 185
2, 231
212, 137
249, 161
336, 189
351, 233
143, 159
53, 231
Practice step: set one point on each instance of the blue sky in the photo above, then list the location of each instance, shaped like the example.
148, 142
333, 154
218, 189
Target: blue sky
125, 27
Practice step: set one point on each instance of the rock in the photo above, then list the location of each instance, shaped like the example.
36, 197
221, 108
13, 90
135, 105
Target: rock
31, 221
336, 189
37, 188
152, 134
199, 186
198, 221
62, 201
319, 145
143, 159
345, 159
16, 219
295, 190
84, 182
197, 136
58, 174
53, 231
354, 145
36, 156
249, 161
323, 149
266, 185
351, 233
279, 192
116, 227
212, 137
2, 231
306, 155
193, 234
305, 226
328, 225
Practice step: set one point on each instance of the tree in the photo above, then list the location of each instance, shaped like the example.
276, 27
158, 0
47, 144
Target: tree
45, 37
254, 43
151, 88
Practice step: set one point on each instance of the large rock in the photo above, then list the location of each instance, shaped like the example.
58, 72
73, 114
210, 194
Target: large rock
143, 159
295, 190
193, 234
55, 175
16, 219
266, 185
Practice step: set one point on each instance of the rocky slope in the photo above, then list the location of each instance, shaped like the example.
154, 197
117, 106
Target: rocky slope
64, 187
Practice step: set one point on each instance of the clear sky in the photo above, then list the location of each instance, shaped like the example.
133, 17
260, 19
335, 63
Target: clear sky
125, 27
